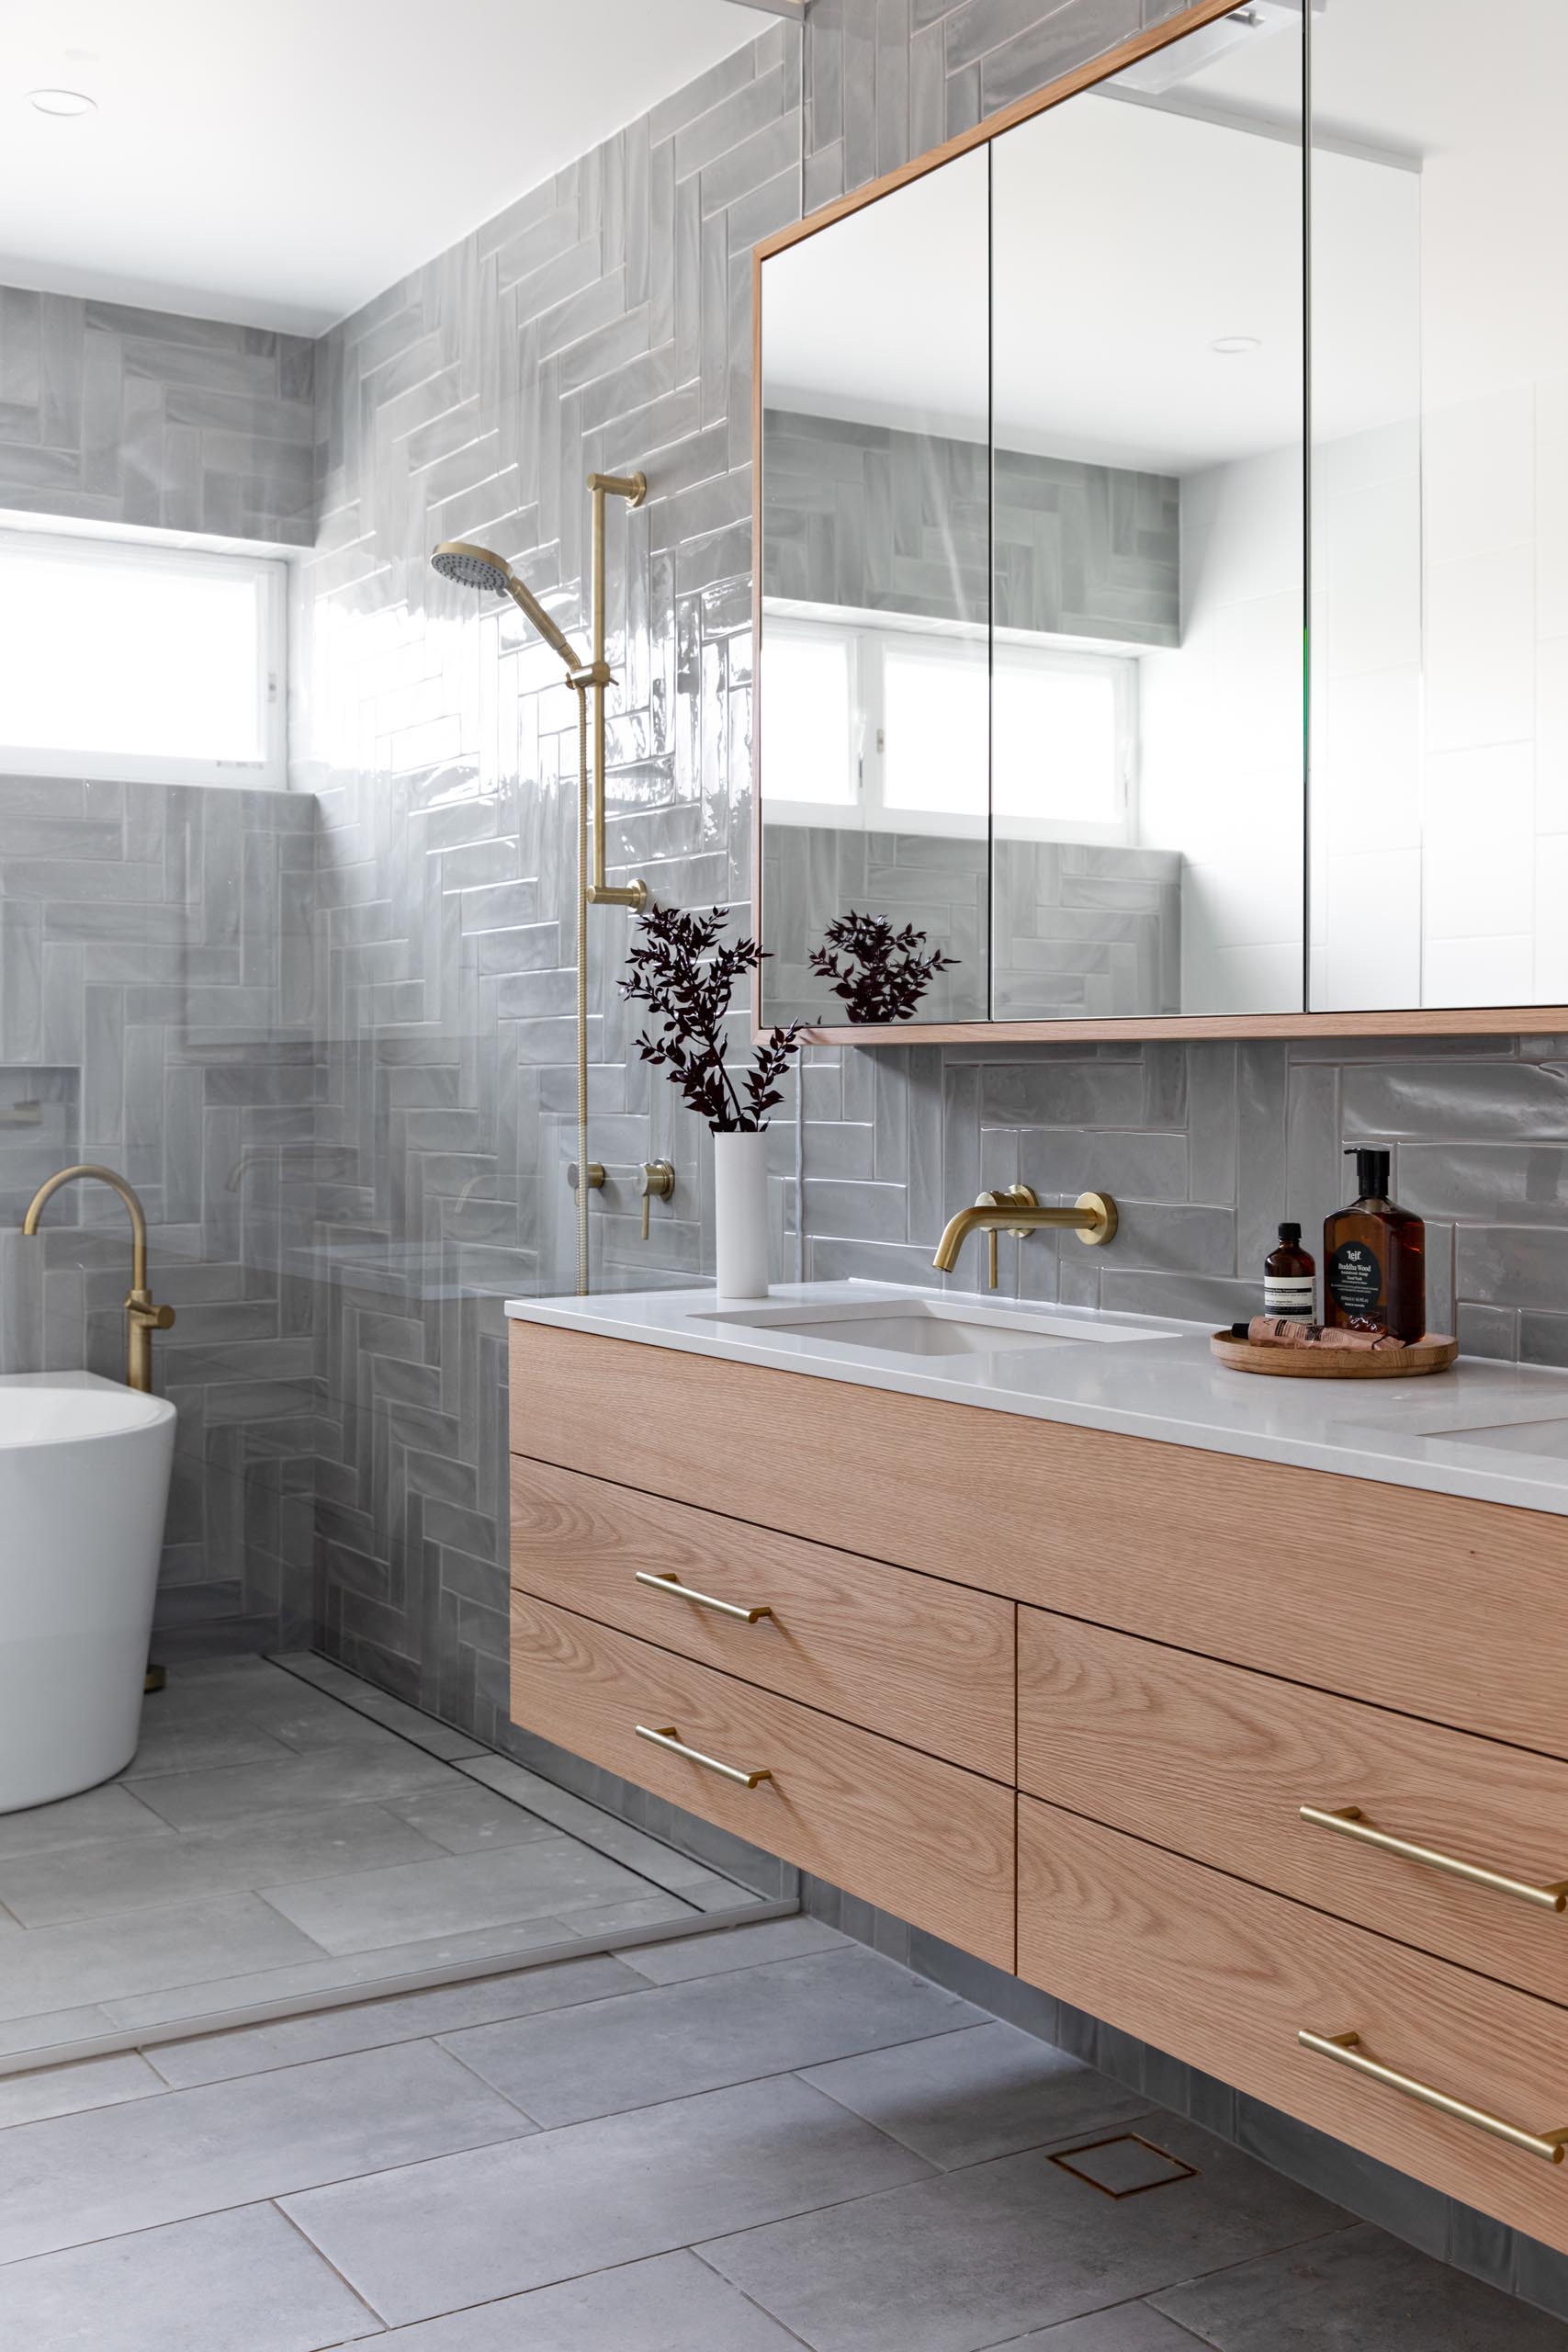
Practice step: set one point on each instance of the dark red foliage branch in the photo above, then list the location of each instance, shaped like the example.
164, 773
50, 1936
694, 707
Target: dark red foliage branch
686, 979
882, 974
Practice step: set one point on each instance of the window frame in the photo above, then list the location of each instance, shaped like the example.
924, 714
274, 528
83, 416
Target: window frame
68, 763
867, 636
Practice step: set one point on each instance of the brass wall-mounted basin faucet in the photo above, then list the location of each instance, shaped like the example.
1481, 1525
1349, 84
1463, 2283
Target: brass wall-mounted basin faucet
143, 1315
1016, 1209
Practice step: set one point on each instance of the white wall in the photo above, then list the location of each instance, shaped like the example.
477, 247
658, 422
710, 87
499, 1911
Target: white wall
1441, 614
1222, 719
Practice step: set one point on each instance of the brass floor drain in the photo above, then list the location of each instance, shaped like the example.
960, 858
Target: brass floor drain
1124, 2166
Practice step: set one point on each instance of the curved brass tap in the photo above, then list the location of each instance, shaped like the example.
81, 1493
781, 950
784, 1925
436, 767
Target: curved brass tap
1016, 1209
142, 1315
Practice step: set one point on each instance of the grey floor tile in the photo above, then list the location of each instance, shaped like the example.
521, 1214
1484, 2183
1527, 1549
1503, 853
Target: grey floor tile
675, 2039
1357, 2290
371, 2025
634, 1912
964, 2098
170, 1746
1127, 2327
365, 1973
52, 2029
92, 1881
110, 1812
453, 1894
711, 1893
426, 2240
673, 2303
329, 1776
977, 2256
65, 2090
244, 2281
603, 1831
465, 1819
147, 1950
167, 2159
689, 1956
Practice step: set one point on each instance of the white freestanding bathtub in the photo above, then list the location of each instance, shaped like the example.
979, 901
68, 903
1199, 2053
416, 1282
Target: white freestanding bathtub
84, 1485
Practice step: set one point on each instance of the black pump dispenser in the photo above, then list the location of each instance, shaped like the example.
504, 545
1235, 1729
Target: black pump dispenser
1374, 1267
1373, 1167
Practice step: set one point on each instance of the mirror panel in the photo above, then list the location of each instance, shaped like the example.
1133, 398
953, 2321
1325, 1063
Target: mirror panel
873, 763
1439, 810
1148, 753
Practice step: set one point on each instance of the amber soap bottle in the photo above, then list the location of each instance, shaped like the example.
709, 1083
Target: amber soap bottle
1290, 1287
1374, 1258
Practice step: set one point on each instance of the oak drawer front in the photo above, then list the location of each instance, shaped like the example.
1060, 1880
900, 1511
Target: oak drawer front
1380, 1592
1217, 1763
1225, 1976
917, 1836
920, 1661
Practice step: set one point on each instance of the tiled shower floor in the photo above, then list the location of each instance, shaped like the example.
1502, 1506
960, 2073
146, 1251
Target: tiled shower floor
286, 1832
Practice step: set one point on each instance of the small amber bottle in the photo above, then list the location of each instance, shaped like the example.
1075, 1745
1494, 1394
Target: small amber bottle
1374, 1258
1290, 1285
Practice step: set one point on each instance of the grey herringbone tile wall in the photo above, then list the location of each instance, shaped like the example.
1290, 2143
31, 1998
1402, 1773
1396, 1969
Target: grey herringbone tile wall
156, 1015
109, 414
886, 521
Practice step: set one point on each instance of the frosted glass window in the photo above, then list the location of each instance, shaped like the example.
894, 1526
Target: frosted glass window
934, 717
142, 662
1059, 748
809, 694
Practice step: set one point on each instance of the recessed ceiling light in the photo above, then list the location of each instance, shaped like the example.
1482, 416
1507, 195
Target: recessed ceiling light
62, 102
1234, 346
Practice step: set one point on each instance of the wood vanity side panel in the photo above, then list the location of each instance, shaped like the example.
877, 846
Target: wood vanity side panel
1216, 1762
1429, 1605
912, 1835
1222, 1974
924, 1662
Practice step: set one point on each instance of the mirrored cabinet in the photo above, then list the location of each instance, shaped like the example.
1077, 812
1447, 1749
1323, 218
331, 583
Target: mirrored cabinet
1127, 654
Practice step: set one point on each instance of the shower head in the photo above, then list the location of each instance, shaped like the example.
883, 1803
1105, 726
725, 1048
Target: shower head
471, 567
474, 567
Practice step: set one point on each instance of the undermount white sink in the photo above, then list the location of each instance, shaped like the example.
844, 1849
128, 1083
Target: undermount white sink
923, 1327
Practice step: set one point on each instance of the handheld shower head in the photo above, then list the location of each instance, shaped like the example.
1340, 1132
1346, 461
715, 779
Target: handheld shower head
471, 567
474, 567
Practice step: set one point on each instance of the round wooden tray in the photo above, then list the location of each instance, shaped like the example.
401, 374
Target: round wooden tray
1430, 1354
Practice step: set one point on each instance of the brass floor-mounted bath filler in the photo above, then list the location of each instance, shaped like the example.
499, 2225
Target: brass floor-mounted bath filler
143, 1315
476, 567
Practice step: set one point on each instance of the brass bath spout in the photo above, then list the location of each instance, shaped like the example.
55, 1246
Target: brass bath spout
142, 1315
1016, 1209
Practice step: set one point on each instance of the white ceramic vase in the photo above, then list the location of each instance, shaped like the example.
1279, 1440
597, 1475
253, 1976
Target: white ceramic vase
740, 1213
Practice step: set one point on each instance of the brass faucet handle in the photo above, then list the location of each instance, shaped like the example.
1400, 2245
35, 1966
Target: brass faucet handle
1009, 1196
147, 1315
656, 1182
595, 1176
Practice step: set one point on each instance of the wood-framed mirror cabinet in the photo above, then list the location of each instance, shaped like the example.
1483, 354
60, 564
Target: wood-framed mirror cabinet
1160, 579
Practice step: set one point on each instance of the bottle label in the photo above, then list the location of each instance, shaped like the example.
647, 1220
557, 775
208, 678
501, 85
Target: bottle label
1355, 1279
1290, 1294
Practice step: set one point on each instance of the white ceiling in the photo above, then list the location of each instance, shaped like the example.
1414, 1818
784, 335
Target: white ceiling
279, 161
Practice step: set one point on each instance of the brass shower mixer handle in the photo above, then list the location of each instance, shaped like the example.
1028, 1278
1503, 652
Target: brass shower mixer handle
656, 1182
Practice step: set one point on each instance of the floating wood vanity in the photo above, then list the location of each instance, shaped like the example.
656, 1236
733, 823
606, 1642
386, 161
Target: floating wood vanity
1191, 1740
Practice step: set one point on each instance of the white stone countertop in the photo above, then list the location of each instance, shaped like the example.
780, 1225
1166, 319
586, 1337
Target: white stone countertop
1496, 1432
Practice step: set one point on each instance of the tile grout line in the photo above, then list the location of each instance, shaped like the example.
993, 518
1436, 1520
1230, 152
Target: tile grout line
382, 2325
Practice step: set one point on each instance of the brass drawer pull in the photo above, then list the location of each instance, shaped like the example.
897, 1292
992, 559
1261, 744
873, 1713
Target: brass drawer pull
670, 1738
1346, 2050
1350, 1822
703, 1599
